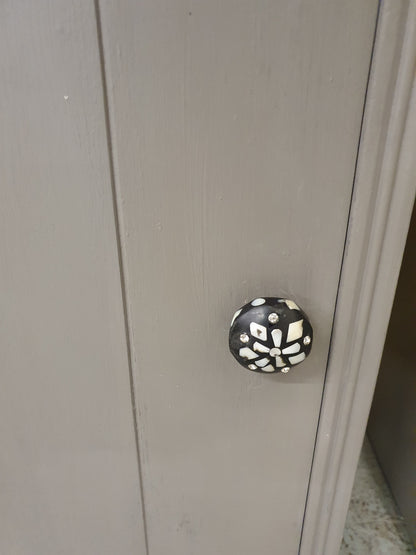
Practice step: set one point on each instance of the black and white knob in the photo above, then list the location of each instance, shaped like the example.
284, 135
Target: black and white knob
270, 334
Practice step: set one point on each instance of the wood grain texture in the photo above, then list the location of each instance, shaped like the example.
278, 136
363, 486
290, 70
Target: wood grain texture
383, 199
68, 465
235, 128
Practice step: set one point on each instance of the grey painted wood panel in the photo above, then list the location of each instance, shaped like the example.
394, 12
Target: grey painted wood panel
68, 465
235, 127
384, 194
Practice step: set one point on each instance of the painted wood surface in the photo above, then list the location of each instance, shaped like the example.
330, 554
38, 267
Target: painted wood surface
384, 194
68, 466
234, 129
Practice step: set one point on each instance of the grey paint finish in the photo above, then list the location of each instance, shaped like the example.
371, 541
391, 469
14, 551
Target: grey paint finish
392, 421
234, 129
68, 466
384, 194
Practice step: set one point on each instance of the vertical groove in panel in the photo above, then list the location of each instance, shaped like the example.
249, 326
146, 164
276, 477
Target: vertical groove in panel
69, 480
173, 75
342, 263
118, 226
380, 190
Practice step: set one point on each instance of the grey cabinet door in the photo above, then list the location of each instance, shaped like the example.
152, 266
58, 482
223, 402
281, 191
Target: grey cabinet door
234, 129
163, 162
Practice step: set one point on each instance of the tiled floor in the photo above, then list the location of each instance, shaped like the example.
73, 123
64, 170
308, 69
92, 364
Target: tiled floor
374, 526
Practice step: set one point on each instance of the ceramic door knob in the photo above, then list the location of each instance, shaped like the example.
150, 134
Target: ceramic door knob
270, 334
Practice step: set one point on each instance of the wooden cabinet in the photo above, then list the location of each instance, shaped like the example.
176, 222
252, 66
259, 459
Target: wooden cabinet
163, 163
235, 128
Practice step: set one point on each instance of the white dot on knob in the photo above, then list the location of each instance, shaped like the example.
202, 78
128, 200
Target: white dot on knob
258, 302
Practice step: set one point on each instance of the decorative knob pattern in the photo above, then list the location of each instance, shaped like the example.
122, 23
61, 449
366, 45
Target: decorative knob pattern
270, 334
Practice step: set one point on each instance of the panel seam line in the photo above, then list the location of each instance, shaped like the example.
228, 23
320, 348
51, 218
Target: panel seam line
342, 260
121, 259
